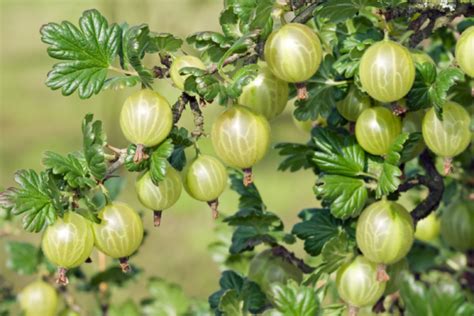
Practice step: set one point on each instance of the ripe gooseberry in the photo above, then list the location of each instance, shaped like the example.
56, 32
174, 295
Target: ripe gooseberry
464, 49
376, 129
68, 243
266, 94
457, 225
428, 228
449, 137
357, 284
120, 232
241, 138
387, 71
146, 120
353, 104
267, 269
384, 233
39, 299
159, 197
180, 63
412, 124
293, 53
205, 179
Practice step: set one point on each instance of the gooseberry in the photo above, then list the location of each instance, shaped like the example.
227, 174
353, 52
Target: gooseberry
457, 225
266, 94
387, 71
293, 53
180, 63
162, 196
428, 228
464, 49
205, 179
39, 299
376, 129
353, 104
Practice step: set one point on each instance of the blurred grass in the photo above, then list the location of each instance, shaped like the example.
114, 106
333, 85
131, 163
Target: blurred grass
34, 119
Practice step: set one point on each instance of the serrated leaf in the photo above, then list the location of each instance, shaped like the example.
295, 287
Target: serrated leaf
181, 140
213, 45
439, 91
229, 303
298, 156
318, 229
131, 165
341, 10
23, 258
127, 308
244, 76
249, 195
411, 146
158, 161
72, 168
293, 299
346, 196
322, 93
37, 197
94, 140
419, 95
163, 43
337, 156
86, 53
263, 13
246, 238
136, 42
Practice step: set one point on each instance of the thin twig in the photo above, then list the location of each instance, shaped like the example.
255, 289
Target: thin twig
281, 251
306, 14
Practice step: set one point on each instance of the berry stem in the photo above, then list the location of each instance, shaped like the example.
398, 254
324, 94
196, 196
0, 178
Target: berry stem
301, 91
213, 205
62, 277
157, 218
447, 165
248, 176
353, 311
382, 275
139, 154
125, 265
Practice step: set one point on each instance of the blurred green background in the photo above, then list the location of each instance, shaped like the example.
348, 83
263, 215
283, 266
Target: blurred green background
34, 118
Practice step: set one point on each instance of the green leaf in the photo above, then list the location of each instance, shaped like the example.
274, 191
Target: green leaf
94, 140
341, 10
244, 76
248, 292
338, 156
419, 95
23, 258
346, 196
263, 14
131, 165
337, 251
136, 42
298, 156
127, 308
322, 93
38, 198
181, 140
163, 43
423, 257
119, 83
229, 303
72, 168
166, 299
246, 238
295, 300
318, 229
158, 161
85, 53
249, 195
415, 297
411, 146
444, 81
213, 45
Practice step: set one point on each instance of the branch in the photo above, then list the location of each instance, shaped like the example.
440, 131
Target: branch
281, 251
229, 60
306, 14
433, 181
121, 154
179, 107
198, 118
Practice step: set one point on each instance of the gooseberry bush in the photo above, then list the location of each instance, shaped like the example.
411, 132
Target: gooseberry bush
385, 92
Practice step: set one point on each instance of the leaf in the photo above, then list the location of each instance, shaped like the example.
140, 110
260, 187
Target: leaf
249, 195
414, 295
337, 251
298, 156
72, 168
158, 161
131, 165
23, 258
127, 308
340, 10
322, 93
411, 146
444, 81
243, 76
346, 196
423, 257
229, 303
85, 53
263, 13
419, 97
136, 41
247, 291
163, 43
94, 140
213, 45
38, 198
338, 156
181, 140
295, 300
246, 238
119, 83
318, 229
166, 299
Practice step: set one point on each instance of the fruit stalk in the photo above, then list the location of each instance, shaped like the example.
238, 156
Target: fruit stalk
248, 176
125, 265
214, 205
382, 275
302, 91
157, 218
353, 311
62, 277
